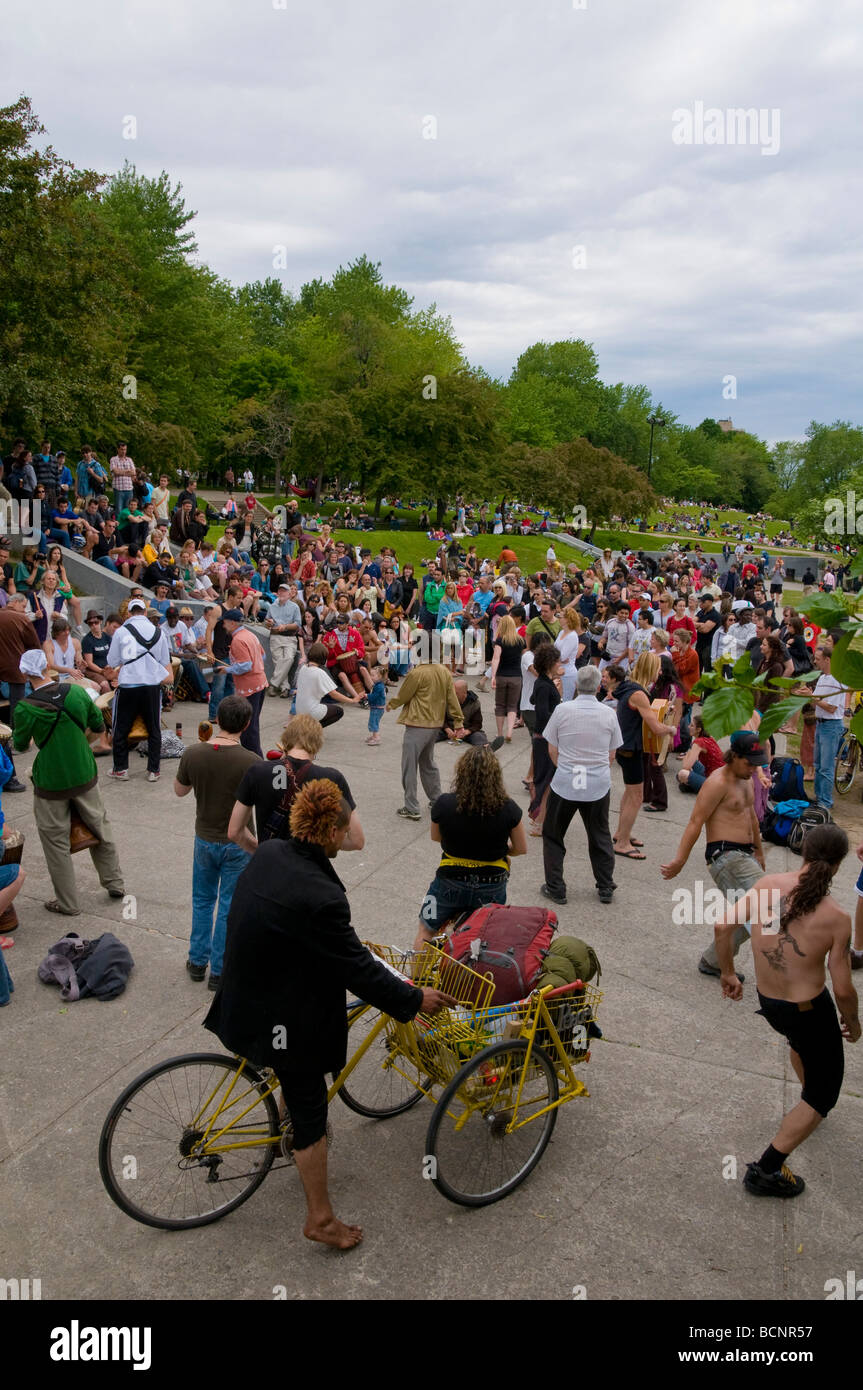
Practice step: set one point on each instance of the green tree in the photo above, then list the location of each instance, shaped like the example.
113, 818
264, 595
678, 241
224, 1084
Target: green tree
62, 355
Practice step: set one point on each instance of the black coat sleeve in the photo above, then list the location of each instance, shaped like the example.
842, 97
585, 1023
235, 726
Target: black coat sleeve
343, 957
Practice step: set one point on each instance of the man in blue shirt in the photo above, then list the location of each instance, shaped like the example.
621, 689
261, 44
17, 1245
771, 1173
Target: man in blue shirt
483, 594
62, 517
65, 477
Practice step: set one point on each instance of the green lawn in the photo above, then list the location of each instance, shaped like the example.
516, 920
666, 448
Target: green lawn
417, 543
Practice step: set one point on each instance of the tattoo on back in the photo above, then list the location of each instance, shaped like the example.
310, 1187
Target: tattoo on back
775, 958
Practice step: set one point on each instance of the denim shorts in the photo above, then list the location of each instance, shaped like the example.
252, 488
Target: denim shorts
446, 897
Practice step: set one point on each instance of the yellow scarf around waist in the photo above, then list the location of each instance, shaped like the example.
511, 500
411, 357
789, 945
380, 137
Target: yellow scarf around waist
449, 861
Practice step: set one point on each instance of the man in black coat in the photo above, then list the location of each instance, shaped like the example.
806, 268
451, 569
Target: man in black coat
290, 954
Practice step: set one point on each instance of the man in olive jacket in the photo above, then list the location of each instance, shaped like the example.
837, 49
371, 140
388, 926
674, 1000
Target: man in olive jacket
290, 954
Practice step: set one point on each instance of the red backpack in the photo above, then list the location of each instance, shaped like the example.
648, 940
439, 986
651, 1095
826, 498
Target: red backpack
508, 943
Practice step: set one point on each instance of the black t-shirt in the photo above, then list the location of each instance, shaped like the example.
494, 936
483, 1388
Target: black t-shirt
96, 648
465, 836
704, 640
103, 545
263, 789
510, 657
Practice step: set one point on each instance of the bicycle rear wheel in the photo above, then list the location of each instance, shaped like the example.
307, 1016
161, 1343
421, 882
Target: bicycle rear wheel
847, 761
374, 1088
152, 1153
476, 1161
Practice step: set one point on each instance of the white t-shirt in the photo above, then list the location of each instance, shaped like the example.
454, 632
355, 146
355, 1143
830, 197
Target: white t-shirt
567, 644
312, 684
827, 687
528, 681
584, 732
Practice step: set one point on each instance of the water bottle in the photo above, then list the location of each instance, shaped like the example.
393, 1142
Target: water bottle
178, 730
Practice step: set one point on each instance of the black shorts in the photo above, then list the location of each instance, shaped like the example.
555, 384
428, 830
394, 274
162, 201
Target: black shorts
631, 763
305, 1095
814, 1033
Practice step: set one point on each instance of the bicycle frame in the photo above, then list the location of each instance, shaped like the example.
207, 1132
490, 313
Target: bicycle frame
537, 1016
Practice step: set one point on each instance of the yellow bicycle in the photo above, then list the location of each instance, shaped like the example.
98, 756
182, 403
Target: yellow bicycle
192, 1138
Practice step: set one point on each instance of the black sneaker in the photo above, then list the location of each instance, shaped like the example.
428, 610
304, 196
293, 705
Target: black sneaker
497, 743
781, 1184
605, 894
704, 968
196, 972
13, 785
116, 892
559, 898
214, 982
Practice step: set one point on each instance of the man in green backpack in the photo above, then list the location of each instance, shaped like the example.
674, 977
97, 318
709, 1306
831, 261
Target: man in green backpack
57, 716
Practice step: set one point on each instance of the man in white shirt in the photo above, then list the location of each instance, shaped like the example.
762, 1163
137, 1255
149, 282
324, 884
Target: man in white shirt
160, 497
582, 736
828, 698
140, 650
283, 621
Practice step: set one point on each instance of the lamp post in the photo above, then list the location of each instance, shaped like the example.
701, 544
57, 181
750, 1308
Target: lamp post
653, 421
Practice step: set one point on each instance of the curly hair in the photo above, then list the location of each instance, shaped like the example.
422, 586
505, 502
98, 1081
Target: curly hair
478, 783
319, 808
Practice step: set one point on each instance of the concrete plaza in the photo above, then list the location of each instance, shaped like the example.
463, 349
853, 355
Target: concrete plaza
630, 1200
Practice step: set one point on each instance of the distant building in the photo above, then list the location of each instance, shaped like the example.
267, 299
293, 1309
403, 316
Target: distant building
726, 426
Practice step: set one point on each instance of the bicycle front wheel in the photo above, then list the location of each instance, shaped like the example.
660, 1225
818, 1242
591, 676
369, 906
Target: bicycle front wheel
159, 1156
846, 763
374, 1088
476, 1160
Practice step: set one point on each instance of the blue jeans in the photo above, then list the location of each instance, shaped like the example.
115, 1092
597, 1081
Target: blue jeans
216, 869
223, 684
122, 499
828, 736
192, 672
376, 714
697, 778
685, 735
107, 564
447, 896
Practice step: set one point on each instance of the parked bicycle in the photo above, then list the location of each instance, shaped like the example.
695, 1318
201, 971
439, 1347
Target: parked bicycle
194, 1137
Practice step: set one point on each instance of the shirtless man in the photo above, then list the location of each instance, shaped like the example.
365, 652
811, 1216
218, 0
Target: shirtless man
789, 947
725, 806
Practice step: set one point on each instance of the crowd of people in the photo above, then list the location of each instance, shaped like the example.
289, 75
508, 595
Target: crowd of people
597, 663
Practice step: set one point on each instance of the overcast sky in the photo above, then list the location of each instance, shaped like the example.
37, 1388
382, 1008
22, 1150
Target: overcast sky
306, 125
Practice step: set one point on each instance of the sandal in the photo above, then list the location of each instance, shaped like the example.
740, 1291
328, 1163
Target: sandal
639, 844
54, 906
629, 854
6, 942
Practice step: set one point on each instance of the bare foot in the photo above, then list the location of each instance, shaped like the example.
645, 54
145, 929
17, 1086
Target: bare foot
335, 1233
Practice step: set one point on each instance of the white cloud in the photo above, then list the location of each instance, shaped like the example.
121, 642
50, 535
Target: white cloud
303, 127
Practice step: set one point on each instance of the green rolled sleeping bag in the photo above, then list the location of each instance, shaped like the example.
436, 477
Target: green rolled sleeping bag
571, 959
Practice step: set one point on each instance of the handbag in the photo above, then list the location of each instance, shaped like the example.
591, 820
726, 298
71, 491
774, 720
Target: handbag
80, 834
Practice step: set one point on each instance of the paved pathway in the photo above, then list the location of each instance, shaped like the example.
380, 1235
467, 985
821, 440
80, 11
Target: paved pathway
629, 1200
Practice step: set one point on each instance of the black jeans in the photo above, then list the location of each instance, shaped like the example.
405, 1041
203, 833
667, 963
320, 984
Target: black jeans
251, 736
129, 701
600, 847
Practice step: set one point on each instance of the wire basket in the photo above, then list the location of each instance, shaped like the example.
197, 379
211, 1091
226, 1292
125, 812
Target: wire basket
440, 1044
570, 1012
